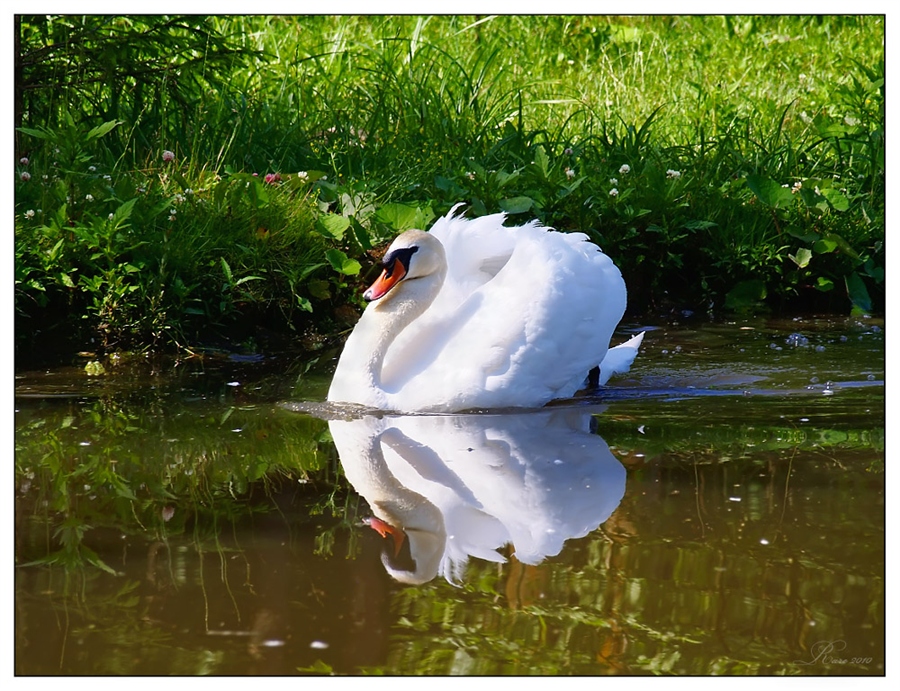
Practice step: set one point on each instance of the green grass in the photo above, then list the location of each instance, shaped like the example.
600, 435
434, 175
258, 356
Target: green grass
725, 163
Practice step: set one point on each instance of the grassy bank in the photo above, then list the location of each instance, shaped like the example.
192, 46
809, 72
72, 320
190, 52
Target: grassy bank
180, 177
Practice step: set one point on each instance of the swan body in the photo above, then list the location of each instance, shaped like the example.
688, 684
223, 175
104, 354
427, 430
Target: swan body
475, 314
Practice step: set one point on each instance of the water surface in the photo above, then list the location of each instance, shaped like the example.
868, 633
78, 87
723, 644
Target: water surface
720, 510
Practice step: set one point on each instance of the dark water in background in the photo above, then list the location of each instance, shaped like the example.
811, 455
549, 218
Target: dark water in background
720, 510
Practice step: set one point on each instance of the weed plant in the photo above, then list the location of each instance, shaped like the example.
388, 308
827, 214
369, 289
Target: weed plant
181, 176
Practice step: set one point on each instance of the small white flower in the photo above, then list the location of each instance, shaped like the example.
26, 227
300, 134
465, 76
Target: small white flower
107, 177
471, 175
92, 169
796, 187
172, 212
111, 216
89, 197
816, 190
29, 213
45, 177
25, 176
570, 173
625, 169
568, 151
613, 181
303, 176
614, 192
23, 161
189, 192
179, 198
673, 174
168, 156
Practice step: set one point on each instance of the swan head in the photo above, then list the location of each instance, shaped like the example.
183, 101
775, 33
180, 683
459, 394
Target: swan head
413, 254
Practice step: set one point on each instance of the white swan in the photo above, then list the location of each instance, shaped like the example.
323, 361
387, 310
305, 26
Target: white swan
474, 314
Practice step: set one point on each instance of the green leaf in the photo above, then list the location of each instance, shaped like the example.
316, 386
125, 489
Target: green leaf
304, 304
825, 245
837, 200
227, 269
802, 258
699, 225
516, 205
541, 161
40, 134
400, 217
859, 296
342, 263
769, 192
101, 130
245, 279
824, 284
332, 226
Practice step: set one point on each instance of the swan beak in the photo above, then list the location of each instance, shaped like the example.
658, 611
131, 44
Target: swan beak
390, 277
385, 529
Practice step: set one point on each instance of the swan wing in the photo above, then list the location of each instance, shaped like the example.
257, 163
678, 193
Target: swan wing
523, 315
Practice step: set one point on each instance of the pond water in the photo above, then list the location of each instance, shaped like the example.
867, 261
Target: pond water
719, 510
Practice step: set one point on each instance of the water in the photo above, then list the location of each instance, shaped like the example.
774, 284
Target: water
720, 510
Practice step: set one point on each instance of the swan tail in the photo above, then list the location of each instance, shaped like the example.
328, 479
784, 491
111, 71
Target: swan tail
618, 359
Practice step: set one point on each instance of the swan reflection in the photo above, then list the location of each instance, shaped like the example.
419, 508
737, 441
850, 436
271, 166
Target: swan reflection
447, 488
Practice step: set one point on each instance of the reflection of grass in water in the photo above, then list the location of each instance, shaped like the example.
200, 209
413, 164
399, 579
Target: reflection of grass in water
104, 464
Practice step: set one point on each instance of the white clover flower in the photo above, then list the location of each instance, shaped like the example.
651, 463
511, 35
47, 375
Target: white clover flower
107, 177
111, 216
796, 187
613, 181
570, 173
471, 175
92, 169
168, 156
179, 198
614, 192
568, 151
172, 212
303, 176
189, 192
89, 197
25, 176
673, 174
625, 169
29, 213
45, 177
23, 161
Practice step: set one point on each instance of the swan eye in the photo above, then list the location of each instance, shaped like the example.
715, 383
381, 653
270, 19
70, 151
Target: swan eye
401, 255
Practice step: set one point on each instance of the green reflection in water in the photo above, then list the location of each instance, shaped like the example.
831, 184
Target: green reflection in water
186, 530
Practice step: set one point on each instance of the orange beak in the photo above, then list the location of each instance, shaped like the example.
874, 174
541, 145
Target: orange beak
390, 277
385, 529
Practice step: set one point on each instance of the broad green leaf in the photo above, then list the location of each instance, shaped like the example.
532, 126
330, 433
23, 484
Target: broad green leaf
824, 284
516, 205
825, 245
836, 199
802, 258
342, 263
769, 192
332, 226
400, 217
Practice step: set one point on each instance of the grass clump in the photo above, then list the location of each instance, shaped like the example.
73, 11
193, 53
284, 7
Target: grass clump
725, 163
